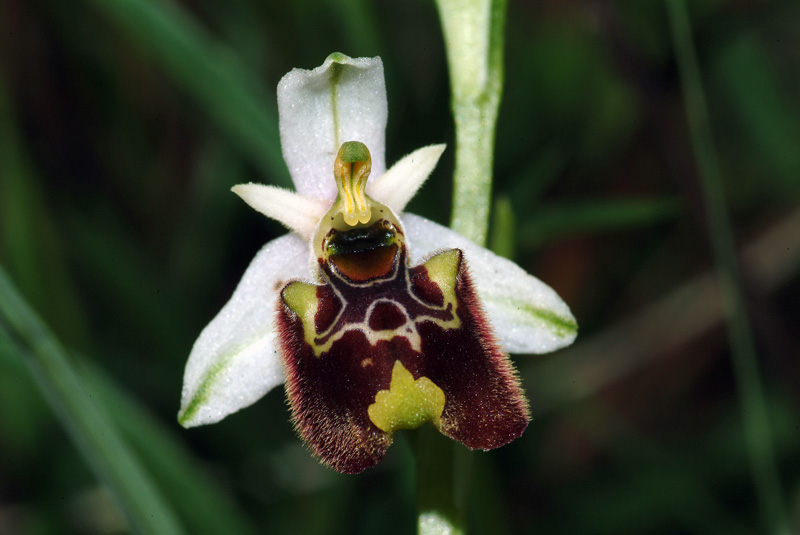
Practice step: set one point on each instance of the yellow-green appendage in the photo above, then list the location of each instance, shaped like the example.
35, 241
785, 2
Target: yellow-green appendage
408, 403
301, 298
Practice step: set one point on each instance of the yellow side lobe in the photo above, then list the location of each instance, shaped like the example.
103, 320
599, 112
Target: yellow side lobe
408, 403
443, 271
301, 298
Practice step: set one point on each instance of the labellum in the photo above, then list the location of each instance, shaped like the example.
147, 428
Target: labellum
381, 346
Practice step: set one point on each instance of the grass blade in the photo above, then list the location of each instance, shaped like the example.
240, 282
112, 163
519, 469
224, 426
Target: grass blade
91, 431
204, 507
208, 72
31, 242
595, 216
768, 118
755, 416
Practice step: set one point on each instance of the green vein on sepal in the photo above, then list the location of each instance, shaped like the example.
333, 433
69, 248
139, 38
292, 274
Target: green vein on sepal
336, 74
203, 392
560, 325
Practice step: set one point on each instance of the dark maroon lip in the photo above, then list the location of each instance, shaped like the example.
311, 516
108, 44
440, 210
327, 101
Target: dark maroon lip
437, 332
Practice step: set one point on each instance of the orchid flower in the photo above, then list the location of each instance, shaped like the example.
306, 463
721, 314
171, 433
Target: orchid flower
375, 319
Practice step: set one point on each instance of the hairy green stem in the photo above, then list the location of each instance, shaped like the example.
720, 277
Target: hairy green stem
758, 435
473, 33
441, 474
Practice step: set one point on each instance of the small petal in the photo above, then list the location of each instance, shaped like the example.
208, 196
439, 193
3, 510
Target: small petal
235, 360
342, 100
527, 315
399, 184
298, 213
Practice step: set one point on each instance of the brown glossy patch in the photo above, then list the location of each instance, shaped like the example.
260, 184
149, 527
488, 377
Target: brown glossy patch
363, 266
424, 288
386, 316
328, 306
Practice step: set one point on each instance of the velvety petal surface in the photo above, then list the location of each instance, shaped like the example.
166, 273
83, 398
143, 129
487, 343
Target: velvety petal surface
363, 361
399, 184
235, 360
527, 315
342, 100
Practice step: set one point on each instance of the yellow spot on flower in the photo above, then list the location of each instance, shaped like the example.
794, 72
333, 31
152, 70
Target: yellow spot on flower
443, 271
408, 403
301, 298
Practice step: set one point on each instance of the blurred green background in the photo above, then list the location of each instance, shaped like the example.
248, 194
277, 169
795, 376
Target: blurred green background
124, 123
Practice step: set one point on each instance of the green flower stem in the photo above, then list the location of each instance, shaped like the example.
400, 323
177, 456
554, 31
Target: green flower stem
90, 429
441, 483
758, 434
504, 228
473, 33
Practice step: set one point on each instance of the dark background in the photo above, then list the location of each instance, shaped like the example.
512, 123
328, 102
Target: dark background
117, 152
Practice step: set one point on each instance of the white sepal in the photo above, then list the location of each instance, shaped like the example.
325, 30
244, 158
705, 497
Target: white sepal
399, 184
235, 360
300, 214
527, 315
342, 100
